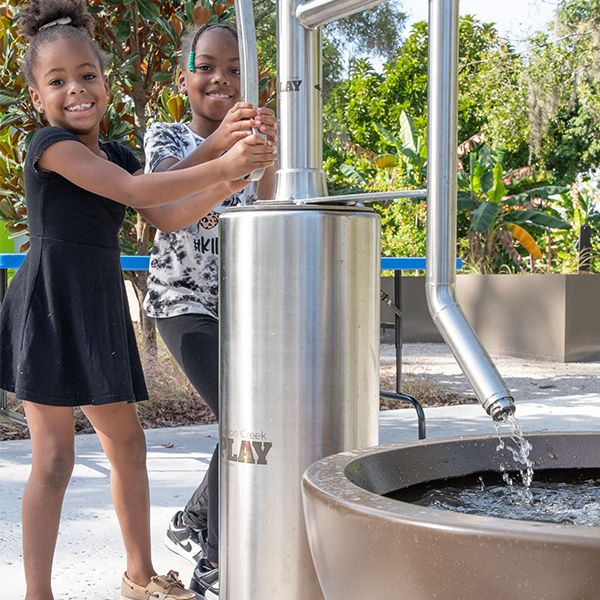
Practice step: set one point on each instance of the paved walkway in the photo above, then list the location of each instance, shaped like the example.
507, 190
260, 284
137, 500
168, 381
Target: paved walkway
89, 556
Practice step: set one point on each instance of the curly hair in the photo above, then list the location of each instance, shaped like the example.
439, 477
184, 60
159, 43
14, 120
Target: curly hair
192, 35
43, 21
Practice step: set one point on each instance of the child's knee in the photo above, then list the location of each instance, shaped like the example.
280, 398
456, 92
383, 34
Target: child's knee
55, 467
131, 450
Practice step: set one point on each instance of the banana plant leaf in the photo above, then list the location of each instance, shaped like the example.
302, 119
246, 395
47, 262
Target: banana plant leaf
536, 217
484, 217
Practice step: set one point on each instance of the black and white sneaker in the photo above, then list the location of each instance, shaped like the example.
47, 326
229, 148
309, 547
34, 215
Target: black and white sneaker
205, 580
184, 541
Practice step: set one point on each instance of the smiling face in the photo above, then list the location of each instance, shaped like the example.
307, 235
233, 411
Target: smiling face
214, 87
70, 89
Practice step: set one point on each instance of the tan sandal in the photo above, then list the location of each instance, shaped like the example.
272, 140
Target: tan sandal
160, 587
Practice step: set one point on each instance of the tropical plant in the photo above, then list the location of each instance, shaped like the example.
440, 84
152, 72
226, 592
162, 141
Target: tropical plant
580, 206
488, 71
561, 76
411, 151
503, 215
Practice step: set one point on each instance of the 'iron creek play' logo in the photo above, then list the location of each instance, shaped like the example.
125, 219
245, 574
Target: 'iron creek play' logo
246, 446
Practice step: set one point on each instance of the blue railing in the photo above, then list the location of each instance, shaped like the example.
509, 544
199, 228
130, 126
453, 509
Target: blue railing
140, 263
128, 263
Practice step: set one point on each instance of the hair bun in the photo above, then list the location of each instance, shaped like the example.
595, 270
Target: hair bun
41, 15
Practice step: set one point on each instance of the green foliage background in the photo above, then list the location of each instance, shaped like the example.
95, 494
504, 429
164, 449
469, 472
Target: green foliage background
538, 106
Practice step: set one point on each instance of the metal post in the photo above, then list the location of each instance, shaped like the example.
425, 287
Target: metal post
299, 379
249, 76
398, 327
299, 73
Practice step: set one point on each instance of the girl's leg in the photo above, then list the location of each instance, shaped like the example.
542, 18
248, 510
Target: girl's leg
52, 448
193, 340
124, 444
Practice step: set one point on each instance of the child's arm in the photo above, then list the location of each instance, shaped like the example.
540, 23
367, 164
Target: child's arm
81, 166
176, 216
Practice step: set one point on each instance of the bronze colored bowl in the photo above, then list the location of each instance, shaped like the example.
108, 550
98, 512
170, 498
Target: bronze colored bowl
366, 546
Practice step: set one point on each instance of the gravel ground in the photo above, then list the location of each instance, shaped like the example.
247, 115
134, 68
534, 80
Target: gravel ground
527, 379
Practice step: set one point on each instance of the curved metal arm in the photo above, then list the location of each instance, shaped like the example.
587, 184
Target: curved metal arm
249, 79
313, 13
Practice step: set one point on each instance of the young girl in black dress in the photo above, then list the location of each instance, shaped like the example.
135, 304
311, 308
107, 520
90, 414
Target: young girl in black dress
65, 334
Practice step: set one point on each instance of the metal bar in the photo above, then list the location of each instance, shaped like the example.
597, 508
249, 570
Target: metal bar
363, 197
318, 12
417, 405
440, 278
128, 262
249, 76
390, 303
398, 328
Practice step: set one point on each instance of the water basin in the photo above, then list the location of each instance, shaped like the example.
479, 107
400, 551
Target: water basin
367, 545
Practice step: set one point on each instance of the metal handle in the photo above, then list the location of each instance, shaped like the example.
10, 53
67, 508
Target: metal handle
244, 15
362, 198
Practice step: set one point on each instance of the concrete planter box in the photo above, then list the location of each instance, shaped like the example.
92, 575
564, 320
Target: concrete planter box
555, 317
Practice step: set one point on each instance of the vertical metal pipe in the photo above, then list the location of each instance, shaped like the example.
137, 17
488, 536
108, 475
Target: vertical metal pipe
398, 327
441, 213
300, 172
249, 76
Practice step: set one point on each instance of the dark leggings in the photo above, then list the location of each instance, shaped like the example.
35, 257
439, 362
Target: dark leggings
193, 339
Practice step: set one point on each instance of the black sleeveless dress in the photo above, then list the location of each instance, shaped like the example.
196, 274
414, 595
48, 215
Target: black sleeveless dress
66, 337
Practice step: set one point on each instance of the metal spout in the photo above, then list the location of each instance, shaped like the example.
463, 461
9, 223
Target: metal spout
501, 410
447, 315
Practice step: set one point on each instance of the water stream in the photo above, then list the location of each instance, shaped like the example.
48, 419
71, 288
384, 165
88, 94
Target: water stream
519, 448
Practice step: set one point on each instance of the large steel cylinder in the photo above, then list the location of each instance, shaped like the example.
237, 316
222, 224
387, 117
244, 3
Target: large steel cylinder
299, 369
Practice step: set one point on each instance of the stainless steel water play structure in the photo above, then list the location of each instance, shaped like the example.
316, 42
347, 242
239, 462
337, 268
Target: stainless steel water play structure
299, 311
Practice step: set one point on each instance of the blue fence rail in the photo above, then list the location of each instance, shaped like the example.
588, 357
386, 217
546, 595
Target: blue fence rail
388, 263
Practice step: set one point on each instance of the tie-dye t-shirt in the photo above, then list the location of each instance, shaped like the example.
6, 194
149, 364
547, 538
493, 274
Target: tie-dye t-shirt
183, 274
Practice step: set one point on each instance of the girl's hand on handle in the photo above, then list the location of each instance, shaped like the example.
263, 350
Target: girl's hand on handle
250, 153
266, 123
237, 124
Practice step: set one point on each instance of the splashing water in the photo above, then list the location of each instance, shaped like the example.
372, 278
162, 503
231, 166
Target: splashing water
519, 448
571, 498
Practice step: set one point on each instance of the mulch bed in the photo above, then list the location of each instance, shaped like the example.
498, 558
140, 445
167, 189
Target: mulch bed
174, 402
